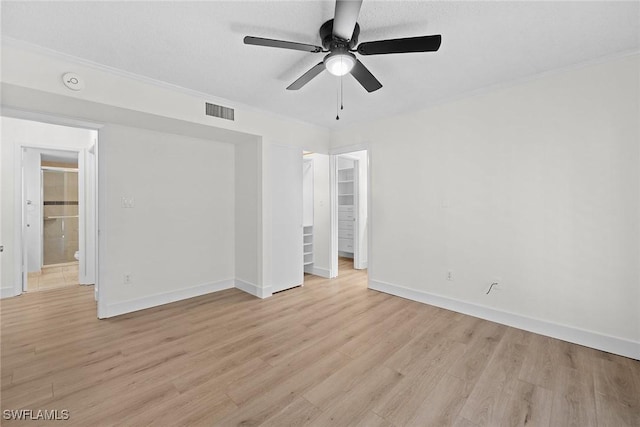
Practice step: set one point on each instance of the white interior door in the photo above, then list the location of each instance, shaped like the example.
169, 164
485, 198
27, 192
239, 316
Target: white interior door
25, 226
32, 182
356, 215
286, 209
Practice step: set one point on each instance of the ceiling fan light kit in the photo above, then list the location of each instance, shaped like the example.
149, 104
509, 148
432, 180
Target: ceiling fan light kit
339, 63
340, 38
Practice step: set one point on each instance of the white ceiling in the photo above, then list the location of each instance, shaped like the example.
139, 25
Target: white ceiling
198, 45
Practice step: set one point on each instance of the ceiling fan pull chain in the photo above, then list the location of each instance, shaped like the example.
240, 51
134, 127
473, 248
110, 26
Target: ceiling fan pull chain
337, 102
341, 94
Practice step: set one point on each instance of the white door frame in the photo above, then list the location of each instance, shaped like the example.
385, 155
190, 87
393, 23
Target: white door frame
356, 208
333, 194
21, 224
20, 270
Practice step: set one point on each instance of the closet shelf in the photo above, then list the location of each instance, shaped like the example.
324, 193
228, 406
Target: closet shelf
347, 200
307, 247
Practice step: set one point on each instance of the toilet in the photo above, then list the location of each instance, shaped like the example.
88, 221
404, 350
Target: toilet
77, 255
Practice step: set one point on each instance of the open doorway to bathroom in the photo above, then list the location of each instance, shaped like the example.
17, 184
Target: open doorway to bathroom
53, 239
51, 201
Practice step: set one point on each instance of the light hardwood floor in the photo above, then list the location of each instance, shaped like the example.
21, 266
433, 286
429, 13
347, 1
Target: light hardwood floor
53, 276
329, 354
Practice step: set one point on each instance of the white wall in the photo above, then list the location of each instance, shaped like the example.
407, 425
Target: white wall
535, 185
321, 215
31, 81
26, 66
178, 239
345, 163
16, 133
248, 208
307, 191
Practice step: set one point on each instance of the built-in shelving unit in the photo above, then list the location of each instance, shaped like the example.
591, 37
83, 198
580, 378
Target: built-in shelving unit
307, 215
308, 245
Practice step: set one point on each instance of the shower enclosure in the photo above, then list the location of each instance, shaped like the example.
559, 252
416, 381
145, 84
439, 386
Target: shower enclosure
60, 214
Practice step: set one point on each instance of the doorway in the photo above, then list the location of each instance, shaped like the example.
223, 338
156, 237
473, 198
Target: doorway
54, 198
52, 219
350, 173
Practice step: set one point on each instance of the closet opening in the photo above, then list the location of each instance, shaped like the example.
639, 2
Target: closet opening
350, 235
320, 212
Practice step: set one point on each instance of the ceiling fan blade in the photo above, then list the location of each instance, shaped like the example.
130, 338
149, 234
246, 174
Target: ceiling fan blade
307, 77
259, 41
365, 78
345, 18
409, 44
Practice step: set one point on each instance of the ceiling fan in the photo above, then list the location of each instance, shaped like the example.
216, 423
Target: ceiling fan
339, 38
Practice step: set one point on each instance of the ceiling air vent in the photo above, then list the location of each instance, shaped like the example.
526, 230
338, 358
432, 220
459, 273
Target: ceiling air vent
219, 111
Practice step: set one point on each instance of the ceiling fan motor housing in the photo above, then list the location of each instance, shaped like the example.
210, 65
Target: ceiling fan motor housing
330, 42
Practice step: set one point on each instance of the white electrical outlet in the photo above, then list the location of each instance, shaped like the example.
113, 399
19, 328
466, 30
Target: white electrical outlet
128, 202
127, 278
450, 275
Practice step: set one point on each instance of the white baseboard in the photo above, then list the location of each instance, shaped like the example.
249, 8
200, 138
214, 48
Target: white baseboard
252, 289
7, 292
124, 307
572, 334
322, 272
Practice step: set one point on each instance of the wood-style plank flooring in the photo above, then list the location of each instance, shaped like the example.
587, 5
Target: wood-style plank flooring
331, 353
53, 276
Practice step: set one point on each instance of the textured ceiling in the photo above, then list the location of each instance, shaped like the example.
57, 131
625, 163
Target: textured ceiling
198, 45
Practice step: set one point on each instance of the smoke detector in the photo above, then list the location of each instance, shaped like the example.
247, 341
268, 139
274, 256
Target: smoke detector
73, 81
